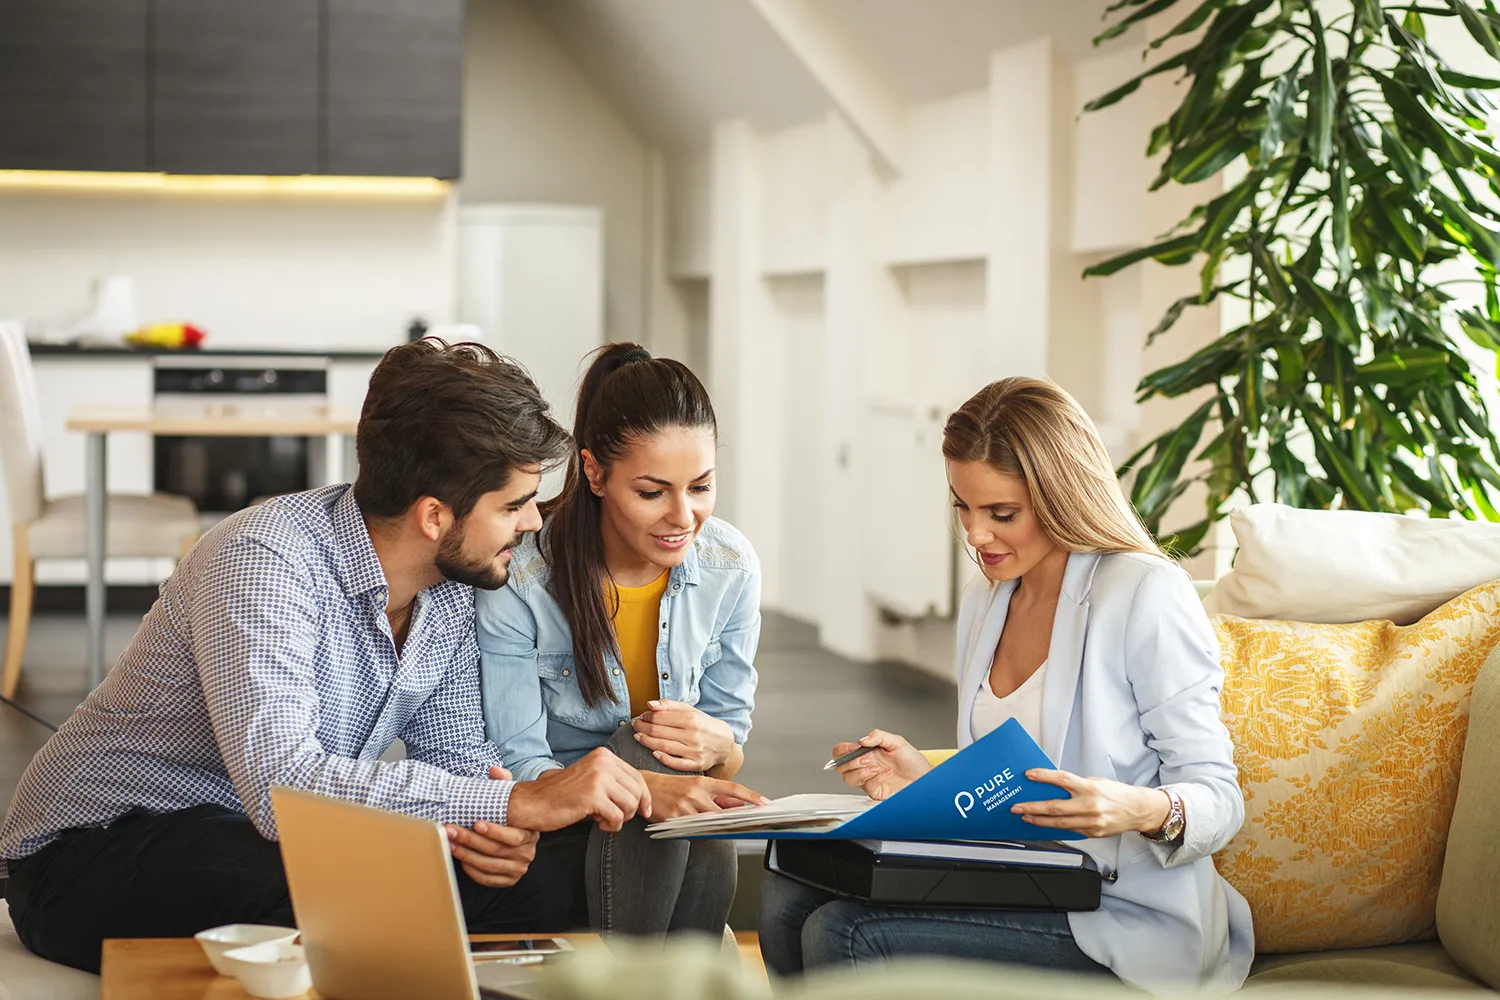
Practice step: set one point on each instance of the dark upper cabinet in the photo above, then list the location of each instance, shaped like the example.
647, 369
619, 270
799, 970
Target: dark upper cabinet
235, 86
394, 77
73, 85
360, 87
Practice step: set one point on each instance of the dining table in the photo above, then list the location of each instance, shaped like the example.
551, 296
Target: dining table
98, 422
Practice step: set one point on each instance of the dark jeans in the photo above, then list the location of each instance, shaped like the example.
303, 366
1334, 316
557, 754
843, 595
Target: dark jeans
641, 886
175, 874
803, 928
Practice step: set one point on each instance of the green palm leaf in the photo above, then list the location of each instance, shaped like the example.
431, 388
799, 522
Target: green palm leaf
1366, 166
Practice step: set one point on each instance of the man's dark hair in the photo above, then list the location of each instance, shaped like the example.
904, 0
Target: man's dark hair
451, 422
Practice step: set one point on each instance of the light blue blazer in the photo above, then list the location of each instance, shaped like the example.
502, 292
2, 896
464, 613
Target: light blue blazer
1132, 693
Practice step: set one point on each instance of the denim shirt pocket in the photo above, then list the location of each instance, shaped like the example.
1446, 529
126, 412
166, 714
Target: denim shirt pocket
712, 653
561, 695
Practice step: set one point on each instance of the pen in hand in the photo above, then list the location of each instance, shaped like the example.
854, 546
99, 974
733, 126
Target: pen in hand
845, 758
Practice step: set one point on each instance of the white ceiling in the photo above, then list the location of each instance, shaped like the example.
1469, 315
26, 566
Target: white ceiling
674, 67
926, 49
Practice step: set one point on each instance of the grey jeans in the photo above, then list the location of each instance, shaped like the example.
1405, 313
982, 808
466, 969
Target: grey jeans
803, 928
637, 885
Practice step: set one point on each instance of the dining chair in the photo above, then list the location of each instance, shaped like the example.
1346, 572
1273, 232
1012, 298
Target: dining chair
157, 525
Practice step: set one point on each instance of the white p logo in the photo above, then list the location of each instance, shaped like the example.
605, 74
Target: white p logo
963, 801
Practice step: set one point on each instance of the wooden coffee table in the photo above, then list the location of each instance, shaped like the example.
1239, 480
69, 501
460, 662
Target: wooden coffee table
176, 968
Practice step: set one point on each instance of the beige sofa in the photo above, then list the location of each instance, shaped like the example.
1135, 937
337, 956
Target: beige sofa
1467, 951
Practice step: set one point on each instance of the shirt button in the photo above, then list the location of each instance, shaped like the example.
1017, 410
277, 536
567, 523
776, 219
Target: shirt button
617, 671
567, 672
676, 587
621, 722
664, 676
664, 626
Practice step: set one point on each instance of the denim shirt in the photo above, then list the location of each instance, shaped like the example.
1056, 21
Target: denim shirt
534, 709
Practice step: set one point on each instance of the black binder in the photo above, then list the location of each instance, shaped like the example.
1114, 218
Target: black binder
846, 869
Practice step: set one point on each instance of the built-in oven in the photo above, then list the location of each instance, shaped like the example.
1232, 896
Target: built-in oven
225, 474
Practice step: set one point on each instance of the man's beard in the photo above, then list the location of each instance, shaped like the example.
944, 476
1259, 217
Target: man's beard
484, 574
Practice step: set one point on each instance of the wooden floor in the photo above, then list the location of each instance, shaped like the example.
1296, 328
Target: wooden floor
749, 942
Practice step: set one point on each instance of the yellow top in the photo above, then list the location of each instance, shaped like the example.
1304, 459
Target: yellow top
636, 628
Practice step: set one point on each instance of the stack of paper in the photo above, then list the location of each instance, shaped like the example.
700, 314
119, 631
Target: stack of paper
795, 813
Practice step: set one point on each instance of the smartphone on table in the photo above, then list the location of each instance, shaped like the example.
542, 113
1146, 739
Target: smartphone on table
519, 949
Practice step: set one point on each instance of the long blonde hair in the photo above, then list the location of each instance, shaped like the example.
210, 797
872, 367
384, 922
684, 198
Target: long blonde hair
1033, 430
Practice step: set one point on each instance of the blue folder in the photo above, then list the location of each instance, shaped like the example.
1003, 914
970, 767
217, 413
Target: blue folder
967, 797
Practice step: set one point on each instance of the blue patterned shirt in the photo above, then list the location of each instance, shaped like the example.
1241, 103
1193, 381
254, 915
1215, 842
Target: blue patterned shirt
268, 660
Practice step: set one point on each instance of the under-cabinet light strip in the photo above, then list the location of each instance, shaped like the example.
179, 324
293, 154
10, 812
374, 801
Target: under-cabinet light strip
225, 183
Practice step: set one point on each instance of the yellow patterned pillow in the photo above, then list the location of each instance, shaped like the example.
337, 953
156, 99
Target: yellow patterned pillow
1348, 740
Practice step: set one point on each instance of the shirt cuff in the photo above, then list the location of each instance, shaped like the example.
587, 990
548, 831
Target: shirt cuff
477, 800
1196, 802
534, 767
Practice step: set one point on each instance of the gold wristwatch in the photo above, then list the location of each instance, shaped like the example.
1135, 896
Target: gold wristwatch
1172, 829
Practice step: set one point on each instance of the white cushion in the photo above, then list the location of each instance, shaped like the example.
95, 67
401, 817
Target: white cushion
24, 976
1340, 566
150, 526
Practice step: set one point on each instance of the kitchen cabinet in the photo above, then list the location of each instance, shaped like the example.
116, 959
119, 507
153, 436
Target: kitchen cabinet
73, 84
235, 86
347, 87
394, 87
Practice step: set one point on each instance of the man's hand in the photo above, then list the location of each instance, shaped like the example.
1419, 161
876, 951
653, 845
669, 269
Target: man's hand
683, 737
674, 795
599, 786
493, 855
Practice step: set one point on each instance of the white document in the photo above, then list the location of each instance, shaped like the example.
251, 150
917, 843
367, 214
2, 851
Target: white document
794, 812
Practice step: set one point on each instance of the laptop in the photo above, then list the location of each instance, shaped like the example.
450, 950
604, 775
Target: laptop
377, 903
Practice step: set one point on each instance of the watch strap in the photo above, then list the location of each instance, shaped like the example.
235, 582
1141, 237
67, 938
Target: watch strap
1172, 829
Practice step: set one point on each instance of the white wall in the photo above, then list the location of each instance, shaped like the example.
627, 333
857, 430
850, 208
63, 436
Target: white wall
921, 287
536, 130
799, 309
935, 210
251, 270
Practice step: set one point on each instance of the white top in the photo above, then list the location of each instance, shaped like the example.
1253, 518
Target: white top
1024, 704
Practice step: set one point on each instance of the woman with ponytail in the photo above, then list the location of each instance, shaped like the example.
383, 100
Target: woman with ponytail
630, 623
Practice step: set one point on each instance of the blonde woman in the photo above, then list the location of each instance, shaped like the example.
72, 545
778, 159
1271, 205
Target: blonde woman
1096, 643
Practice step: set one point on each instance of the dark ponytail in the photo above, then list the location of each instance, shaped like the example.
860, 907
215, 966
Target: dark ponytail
626, 395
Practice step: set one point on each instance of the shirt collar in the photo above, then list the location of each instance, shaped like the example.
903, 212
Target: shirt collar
687, 570
359, 566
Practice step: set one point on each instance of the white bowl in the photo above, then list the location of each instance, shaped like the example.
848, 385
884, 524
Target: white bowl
217, 940
274, 969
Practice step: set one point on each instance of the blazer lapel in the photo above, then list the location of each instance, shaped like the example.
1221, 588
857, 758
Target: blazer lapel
1065, 655
980, 653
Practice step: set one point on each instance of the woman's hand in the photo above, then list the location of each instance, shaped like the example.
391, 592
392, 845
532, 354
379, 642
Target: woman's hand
1098, 807
682, 737
674, 795
886, 771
